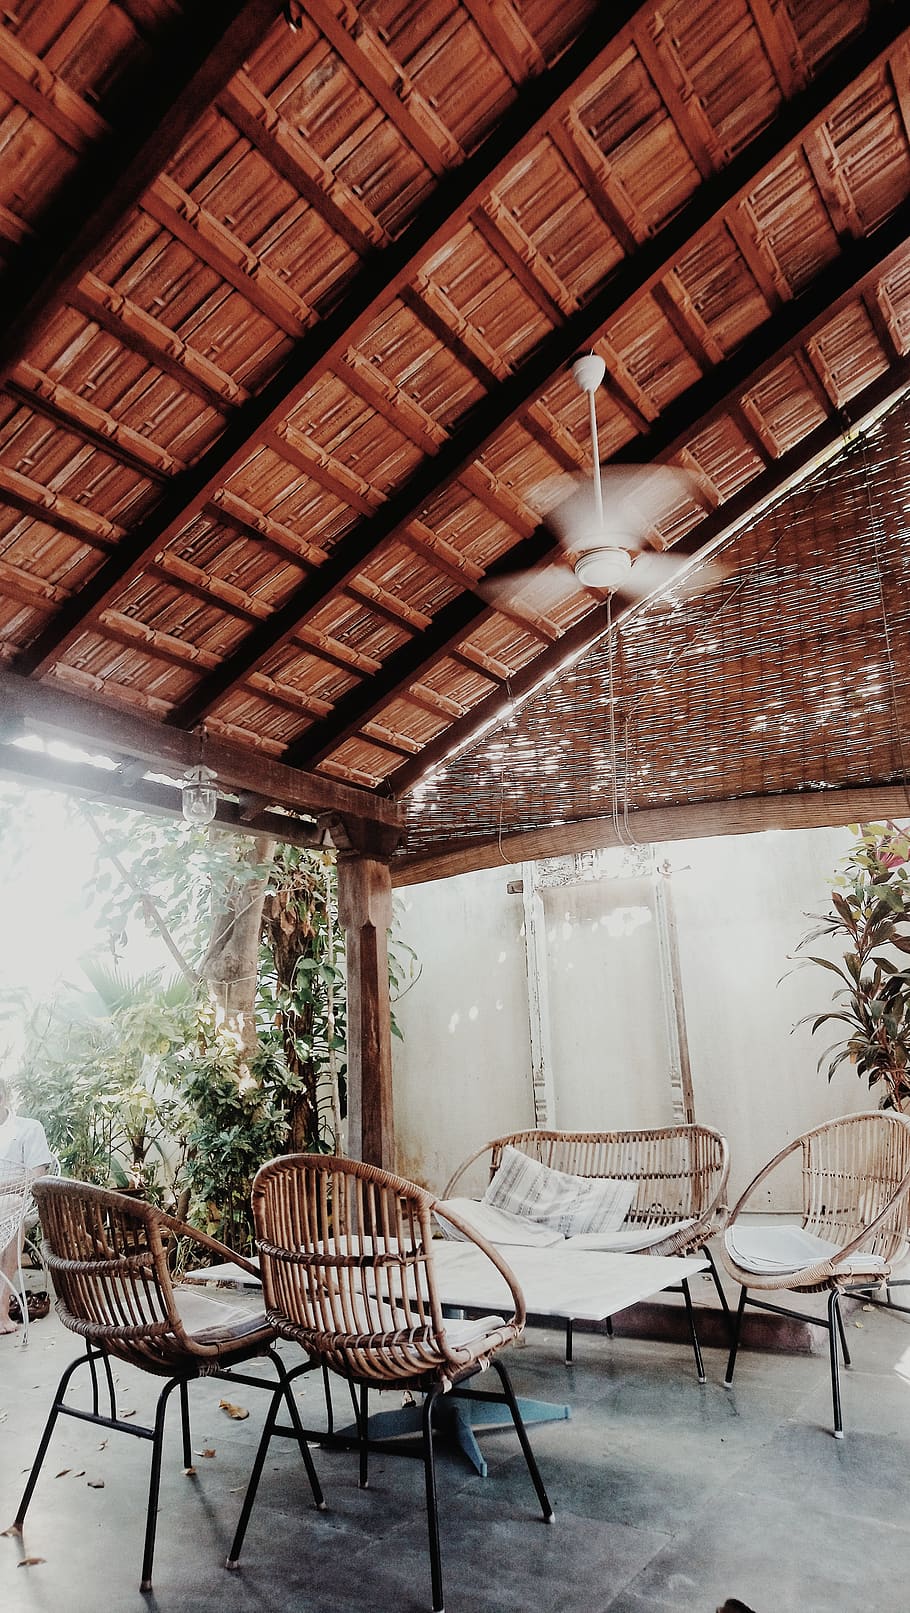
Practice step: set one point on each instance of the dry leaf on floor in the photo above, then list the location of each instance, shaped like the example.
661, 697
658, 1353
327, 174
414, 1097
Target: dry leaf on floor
127, 1414
189, 1472
62, 1474
95, 1484
30, 1562
207, 1452
867, 1307
859, 1324
237, 1412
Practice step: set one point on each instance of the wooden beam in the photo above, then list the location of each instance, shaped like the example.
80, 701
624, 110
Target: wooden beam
365, 911
515, 391
116, 788
813, 809
452, 202
211, 43
448, 627
71, 717
681, 421
771, 482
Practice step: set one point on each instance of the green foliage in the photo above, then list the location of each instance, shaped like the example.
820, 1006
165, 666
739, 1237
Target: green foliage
143, 1083
239, 1119
97, 1071
301, 996
870, 921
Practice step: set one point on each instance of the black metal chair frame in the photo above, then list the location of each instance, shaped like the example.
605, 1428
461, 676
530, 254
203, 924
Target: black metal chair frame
361, 1441
155, 1432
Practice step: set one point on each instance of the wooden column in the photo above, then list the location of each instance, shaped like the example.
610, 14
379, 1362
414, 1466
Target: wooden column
365, 911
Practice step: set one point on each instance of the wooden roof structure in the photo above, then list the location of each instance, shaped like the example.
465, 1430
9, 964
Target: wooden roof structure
291, 291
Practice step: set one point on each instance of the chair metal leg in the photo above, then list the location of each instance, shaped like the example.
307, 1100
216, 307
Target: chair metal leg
291, 1403
233, 1555
834, 1324
429, 1471
329, 1410
53, 1414
843, 1337
151, 1516
609, 1327
363, 1423
568, 1341
112, 1393
185, 1424
523, 1440
724, 1303
690, 1313
21, 1297
734, 1342
94, 1372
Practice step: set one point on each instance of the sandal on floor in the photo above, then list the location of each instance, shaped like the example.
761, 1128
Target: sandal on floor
39, 1305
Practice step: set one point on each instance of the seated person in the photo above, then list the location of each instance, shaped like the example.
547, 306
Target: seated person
23, 1145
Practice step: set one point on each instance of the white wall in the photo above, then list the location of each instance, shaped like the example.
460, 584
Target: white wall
608, 1037
462, 1072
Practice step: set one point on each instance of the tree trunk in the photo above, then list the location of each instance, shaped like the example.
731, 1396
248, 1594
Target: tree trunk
231, 963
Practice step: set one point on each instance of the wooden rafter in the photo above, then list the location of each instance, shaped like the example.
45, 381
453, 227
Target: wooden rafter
515, 392
456, 196
213, 42
765, 487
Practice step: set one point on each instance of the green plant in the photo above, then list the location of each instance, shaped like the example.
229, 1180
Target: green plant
97, 1072
870, 920
239, 1120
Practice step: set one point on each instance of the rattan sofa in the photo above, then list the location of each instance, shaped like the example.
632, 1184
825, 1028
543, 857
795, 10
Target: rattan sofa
680, 1174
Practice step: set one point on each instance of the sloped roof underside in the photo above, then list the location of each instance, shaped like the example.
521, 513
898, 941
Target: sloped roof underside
288, 319
792, 675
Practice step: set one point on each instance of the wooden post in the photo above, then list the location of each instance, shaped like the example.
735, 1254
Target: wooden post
365, 911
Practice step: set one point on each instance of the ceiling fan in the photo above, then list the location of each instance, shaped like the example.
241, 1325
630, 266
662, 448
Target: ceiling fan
603, 525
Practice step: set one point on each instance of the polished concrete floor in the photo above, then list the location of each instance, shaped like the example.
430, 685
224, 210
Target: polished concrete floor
668, 1495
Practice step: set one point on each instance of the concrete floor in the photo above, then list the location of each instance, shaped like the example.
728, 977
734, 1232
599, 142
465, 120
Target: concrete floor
668, 1496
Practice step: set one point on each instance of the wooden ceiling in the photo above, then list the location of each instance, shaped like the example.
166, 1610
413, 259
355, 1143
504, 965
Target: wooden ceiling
290, 296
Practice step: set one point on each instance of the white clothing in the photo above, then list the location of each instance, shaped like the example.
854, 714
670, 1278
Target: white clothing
23, 1142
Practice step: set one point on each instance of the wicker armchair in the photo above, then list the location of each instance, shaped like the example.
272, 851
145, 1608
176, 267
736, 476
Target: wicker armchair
346, 1255
680, 1175
107, 1255
854, 1226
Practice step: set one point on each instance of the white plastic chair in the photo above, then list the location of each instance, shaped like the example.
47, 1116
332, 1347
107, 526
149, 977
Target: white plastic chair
15, 1200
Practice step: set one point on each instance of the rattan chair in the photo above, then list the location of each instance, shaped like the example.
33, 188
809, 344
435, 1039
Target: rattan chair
107, 1255
853, 1230
680, 1175
346, 1256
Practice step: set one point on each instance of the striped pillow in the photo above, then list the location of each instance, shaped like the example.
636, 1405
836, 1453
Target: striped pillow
569, 1204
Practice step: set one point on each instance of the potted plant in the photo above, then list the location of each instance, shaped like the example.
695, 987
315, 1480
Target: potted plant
870, 919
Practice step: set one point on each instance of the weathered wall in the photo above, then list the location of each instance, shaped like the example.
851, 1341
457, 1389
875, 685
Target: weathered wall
462, 1072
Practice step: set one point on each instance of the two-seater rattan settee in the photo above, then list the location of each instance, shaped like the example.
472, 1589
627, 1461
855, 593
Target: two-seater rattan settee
679, 1175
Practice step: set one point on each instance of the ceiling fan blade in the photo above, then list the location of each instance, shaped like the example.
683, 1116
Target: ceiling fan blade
635, 499
652, 571
537, 588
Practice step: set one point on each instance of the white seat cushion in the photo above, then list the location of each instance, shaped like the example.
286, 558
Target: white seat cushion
461, 1335
631, 1238
785, 1251
496, 1226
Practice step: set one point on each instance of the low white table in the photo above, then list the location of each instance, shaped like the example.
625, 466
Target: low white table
572, 1285
567, 1285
